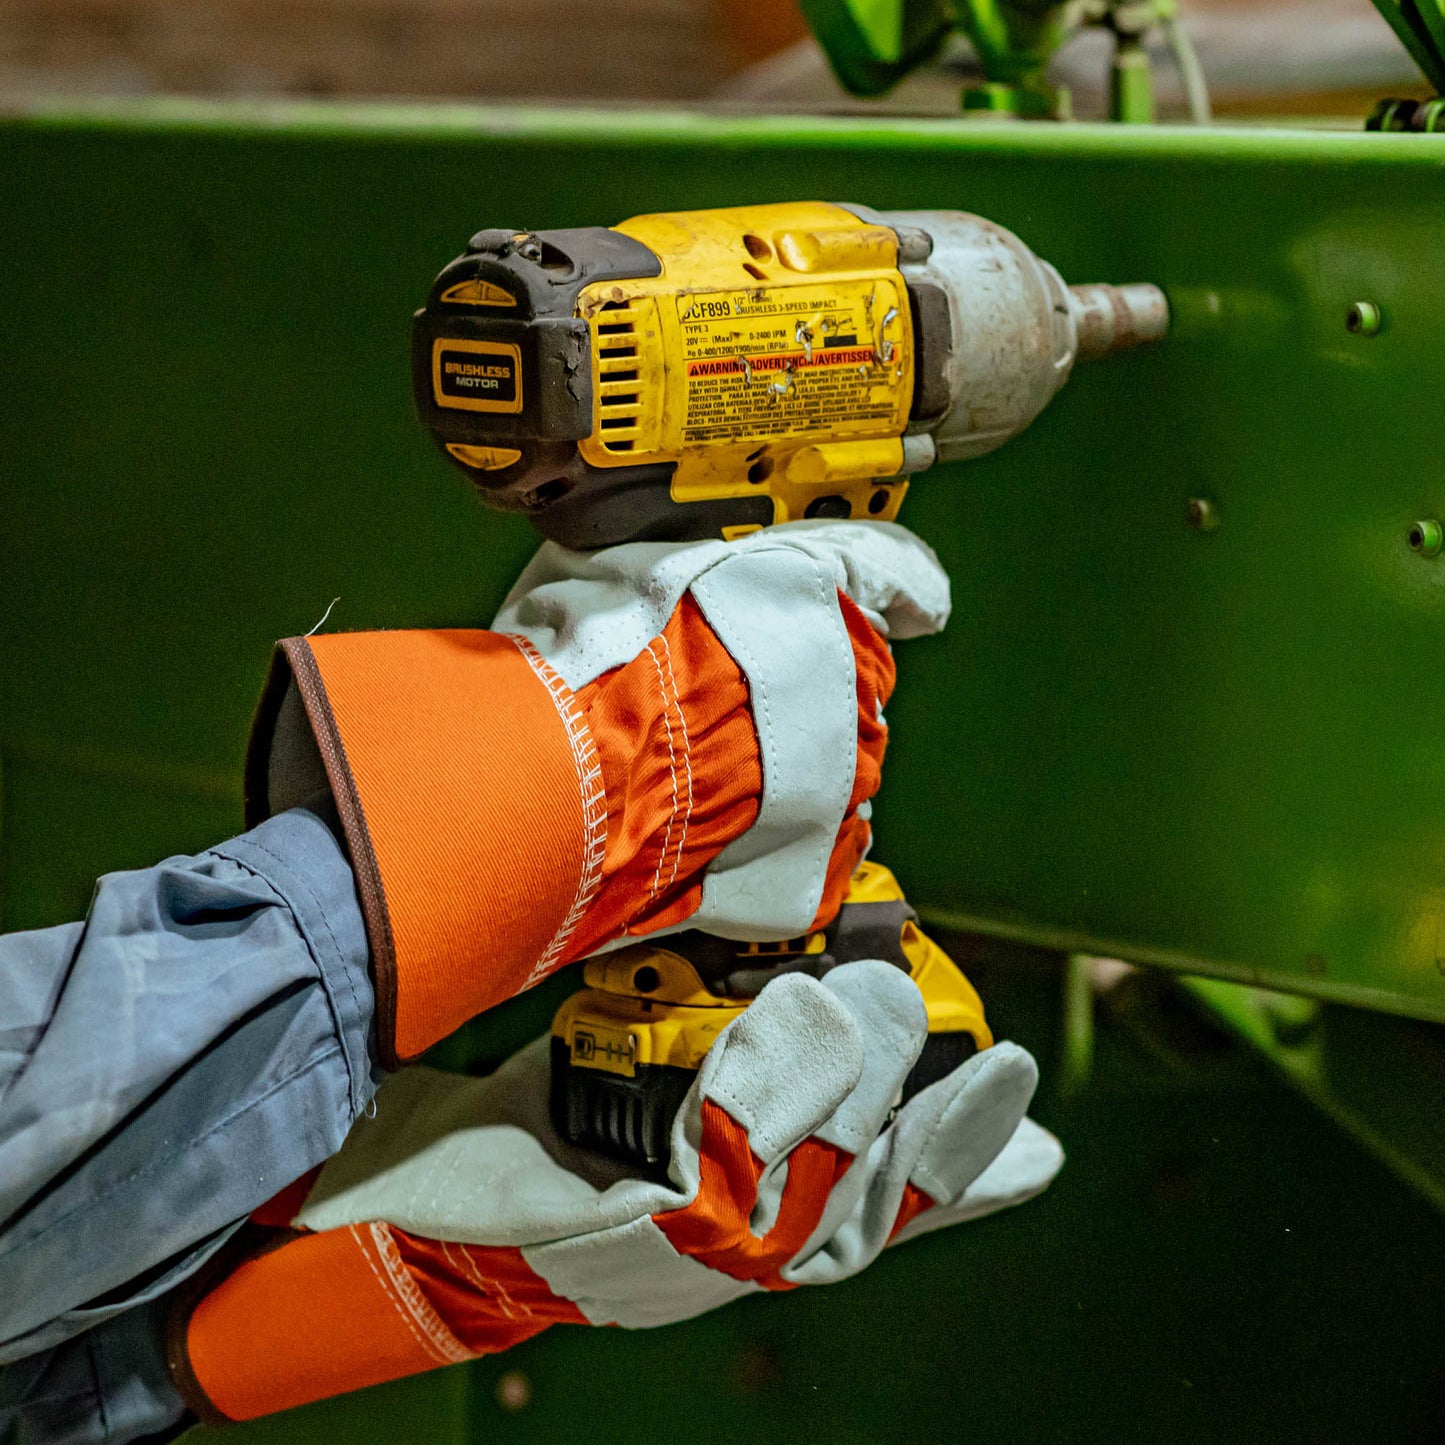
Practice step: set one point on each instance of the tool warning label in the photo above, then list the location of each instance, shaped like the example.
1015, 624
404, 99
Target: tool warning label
477, 375
792, 360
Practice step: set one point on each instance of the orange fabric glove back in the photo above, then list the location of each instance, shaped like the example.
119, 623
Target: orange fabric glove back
657, 736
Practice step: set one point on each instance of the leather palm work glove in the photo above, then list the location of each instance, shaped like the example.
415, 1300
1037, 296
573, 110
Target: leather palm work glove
655, 736
458, 1223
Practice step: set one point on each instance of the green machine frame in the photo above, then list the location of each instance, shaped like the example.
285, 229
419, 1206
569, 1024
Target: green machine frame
1188, 712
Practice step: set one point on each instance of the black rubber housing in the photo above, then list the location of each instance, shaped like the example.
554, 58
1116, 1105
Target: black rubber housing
564, 496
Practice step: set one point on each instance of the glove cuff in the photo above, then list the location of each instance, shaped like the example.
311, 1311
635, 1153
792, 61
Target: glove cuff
469, 790
321, 1315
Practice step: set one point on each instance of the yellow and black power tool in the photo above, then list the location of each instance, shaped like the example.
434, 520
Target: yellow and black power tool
626, 1048
706, 373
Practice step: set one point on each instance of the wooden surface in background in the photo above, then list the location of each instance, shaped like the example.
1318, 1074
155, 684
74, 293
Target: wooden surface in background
588, 49
1262, 56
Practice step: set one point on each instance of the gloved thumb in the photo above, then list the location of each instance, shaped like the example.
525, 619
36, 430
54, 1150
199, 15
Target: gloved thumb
955, 1129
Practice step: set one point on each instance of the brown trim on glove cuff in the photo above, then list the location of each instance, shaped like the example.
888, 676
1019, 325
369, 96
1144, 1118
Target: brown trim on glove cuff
294, 660
248, 1244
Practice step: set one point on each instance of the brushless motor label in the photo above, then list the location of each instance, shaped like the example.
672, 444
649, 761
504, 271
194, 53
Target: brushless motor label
789, 361
477, 375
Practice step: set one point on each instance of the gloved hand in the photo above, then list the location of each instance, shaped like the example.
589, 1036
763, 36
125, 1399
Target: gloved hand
457, 1223
655, 735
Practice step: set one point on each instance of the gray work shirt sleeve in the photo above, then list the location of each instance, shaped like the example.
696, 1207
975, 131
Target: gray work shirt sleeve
200, 1041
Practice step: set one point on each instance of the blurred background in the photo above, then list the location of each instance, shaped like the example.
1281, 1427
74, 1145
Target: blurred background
1262, 57
1221, 1261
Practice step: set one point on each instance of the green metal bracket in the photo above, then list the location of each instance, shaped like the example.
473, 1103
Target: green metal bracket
1420, 25
873, 44
1015, 41
1377, 1077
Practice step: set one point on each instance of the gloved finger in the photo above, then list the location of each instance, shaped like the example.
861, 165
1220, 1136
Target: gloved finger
892, 1024
587, 612
893, 575
779, 1070
954, 1130
474, 1160
941, 1141
1026, 1166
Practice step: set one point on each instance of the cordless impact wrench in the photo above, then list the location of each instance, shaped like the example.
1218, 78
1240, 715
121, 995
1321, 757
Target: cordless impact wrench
702, 375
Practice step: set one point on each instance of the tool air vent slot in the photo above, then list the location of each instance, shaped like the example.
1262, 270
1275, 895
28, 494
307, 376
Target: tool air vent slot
619, 398
619, 372
616, 329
